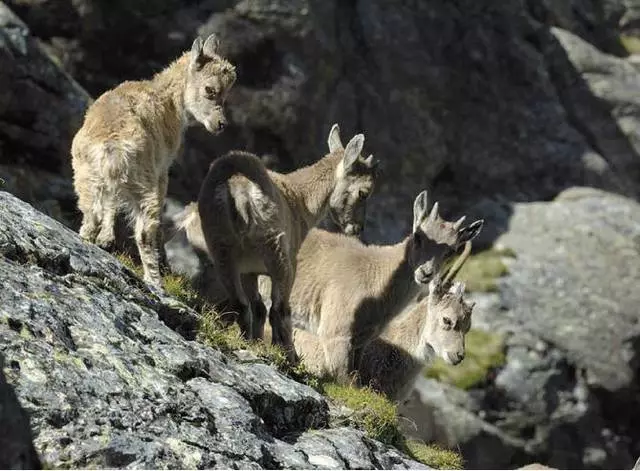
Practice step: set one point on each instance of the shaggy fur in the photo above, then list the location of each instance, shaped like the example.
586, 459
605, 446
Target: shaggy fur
130, 136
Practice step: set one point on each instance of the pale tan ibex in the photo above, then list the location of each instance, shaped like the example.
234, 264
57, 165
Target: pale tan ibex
346, 292
437, 325
254, 220
122, 153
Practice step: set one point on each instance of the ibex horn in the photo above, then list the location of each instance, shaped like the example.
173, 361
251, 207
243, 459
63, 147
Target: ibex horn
458, 224
455, 268
434, 212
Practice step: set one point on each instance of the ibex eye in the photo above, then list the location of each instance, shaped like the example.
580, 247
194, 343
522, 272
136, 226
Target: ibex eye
447, 322
210, 92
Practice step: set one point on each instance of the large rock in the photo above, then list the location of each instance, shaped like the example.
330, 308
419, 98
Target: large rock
16, 441
41, 108
569, 393
108, 384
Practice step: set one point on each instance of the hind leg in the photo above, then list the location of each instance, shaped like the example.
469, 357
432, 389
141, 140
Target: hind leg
89, 203
250, 284
147, 224
238, 299
282, 271
106, 237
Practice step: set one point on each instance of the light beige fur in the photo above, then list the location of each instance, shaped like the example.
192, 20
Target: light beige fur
254, 220
436, 326
346, 292
130, 136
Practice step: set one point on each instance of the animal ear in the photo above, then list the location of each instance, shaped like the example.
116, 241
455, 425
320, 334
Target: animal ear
419, 209
435, 285
458, 289
352, 151
470, 232
196, 51
211, 45
334, 141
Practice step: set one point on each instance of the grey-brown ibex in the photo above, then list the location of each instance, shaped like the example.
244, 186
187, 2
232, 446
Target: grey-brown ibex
346, 292
435, 326
130, 136
254, 220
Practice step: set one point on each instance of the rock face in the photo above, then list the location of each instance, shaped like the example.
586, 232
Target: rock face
16, 441
469, 98
41, 108
108, 384
569, 393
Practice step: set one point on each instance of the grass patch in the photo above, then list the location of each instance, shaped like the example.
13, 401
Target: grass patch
483, 352
434, 456
630, 43
372, 411
378, 417
481, 270
130, 263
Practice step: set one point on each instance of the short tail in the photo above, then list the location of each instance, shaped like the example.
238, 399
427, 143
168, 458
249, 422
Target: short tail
112, 160
188, 220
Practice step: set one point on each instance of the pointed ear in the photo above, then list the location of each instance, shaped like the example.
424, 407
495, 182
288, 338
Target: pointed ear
352, 151
334, 141
211, 45
196, 52
419, 209
470, 232
458, 289
435, 286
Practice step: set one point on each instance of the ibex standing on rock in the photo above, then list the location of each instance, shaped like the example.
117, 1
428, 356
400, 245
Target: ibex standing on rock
254, 221
130, 137
346, 292
437, 325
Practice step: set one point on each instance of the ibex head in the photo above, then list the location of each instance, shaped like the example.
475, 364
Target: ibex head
355, 181
448, 316
209, 78
434, 241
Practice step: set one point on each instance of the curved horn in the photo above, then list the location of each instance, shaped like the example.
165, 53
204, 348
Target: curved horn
455, 268
458, 224
434, 212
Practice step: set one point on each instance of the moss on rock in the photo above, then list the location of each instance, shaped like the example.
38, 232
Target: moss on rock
481, 270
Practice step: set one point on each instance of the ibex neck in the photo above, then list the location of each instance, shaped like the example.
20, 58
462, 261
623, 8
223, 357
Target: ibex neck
391, 284
312, 187
169, 85
407, 330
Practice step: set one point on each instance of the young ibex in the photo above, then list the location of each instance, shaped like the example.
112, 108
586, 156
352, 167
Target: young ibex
346, 292
122, 153
437, 325
254, 220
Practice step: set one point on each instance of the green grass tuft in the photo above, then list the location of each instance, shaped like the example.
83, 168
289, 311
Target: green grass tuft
481, 270
484, 351
434, 456
130, 263
373, 412
630, 43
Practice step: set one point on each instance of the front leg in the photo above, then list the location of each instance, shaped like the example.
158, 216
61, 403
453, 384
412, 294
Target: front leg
163, 184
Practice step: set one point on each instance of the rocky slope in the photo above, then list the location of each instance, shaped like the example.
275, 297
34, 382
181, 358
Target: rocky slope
502, 103
107, 383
